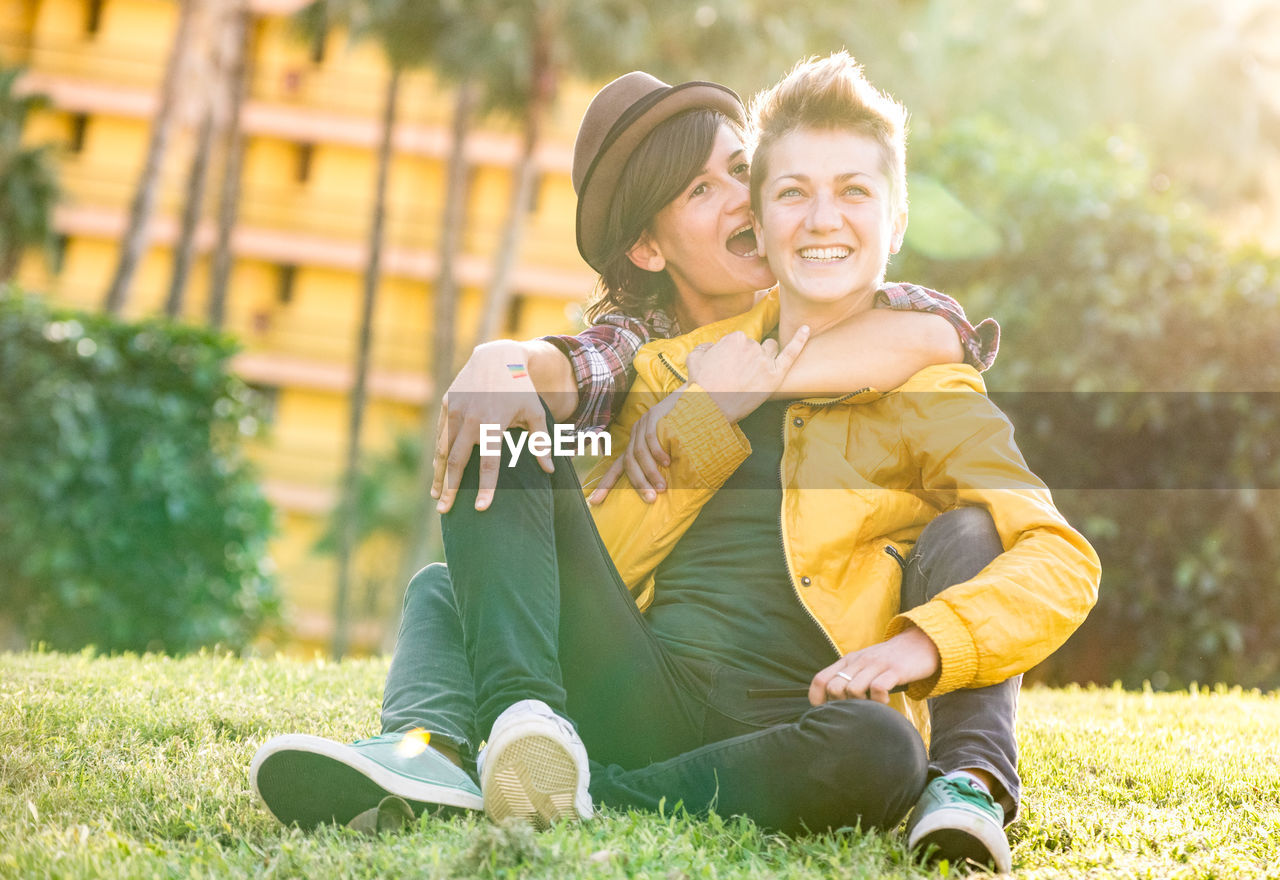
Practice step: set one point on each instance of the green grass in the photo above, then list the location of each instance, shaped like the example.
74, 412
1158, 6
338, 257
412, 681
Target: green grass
136, 767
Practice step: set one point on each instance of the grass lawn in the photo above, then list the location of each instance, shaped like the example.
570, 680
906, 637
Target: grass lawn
136, 767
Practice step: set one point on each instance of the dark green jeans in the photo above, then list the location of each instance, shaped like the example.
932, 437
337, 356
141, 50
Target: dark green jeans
532, 607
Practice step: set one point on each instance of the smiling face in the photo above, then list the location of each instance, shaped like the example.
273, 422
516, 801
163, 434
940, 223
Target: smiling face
704, 237
827, 221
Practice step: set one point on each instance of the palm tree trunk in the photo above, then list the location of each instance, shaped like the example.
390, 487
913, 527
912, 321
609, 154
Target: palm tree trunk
184, 248
350, 527
498, 301
418, 548
542, 92
229, 195
134, 241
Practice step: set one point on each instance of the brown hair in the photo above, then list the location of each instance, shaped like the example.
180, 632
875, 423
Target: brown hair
828, 94
660, 168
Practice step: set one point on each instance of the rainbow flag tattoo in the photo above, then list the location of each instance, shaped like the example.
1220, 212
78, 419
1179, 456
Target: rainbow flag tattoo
517, 371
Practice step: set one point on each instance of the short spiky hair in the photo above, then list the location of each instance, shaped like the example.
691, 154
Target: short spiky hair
826, 94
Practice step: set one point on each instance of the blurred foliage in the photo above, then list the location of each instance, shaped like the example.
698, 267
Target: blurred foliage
29, 187
129, 518
388, 497
1199, 78
1138, 362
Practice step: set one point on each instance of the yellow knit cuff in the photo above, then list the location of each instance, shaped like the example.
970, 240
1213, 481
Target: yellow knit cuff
955, 646
714, 445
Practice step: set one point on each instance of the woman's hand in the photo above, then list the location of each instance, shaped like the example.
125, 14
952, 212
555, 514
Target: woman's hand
485, 392
740, 373
644, 458
870, 674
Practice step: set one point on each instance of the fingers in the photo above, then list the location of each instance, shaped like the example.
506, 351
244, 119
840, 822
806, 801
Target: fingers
531, 421
607, 481
488, 482
442, 448
455, 464
788, 355
654, 445
635, 470
881, 686
845, 683
820, 689
650, 456
537, 422
860, 675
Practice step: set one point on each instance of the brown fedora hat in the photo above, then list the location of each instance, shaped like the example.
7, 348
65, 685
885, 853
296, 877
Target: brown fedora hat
620, 116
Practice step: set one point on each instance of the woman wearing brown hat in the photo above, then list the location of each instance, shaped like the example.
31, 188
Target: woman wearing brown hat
663, 215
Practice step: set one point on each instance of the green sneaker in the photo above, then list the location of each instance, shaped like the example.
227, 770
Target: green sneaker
309, 780
957, 821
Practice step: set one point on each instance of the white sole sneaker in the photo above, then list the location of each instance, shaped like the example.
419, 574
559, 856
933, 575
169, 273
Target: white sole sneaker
959, 835
534, 768
309, 780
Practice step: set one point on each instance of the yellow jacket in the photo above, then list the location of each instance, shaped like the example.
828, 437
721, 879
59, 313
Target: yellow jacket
861, 474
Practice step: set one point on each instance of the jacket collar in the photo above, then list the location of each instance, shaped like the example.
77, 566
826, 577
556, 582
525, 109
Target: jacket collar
657, 360
661, 363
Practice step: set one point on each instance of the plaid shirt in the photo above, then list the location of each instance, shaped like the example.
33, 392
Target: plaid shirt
601, 355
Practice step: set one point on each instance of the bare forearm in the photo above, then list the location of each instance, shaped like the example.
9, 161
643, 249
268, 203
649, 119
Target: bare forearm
877, 349
552, 376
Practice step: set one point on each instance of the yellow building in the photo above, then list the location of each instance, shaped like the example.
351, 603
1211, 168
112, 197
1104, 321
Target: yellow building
311, 124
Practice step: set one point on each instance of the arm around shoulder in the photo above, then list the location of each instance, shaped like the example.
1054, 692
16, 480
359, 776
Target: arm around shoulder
879, 348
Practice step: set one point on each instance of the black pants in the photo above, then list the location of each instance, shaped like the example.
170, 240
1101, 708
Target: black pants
535, 609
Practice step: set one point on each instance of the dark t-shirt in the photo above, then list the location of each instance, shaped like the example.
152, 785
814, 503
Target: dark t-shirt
723, 593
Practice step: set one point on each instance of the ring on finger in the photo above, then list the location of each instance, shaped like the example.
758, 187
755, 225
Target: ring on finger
846, 676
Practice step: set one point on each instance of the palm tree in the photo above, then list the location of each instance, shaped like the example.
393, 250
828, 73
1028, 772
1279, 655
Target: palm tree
134, 241
530, 94
193, 201
238, 78
521, 50
351, 469
505, 56
417, 546
402, 29
28, 183
220, 46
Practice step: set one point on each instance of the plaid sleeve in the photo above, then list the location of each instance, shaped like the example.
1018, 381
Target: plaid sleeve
601, 357
980, 343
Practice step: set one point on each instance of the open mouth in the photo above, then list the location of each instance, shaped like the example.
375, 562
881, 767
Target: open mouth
743, 242
825, 254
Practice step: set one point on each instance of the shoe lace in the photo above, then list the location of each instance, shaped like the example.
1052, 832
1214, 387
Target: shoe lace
965, 790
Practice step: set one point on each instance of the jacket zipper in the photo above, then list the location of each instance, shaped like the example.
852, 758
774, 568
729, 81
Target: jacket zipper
662, 359
782, 535
823, 404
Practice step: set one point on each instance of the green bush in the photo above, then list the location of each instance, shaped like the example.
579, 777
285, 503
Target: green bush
129, 518
1143, 353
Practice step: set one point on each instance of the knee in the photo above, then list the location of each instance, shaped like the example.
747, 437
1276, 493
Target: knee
878, 758
954, 547
430, 582
964, 527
